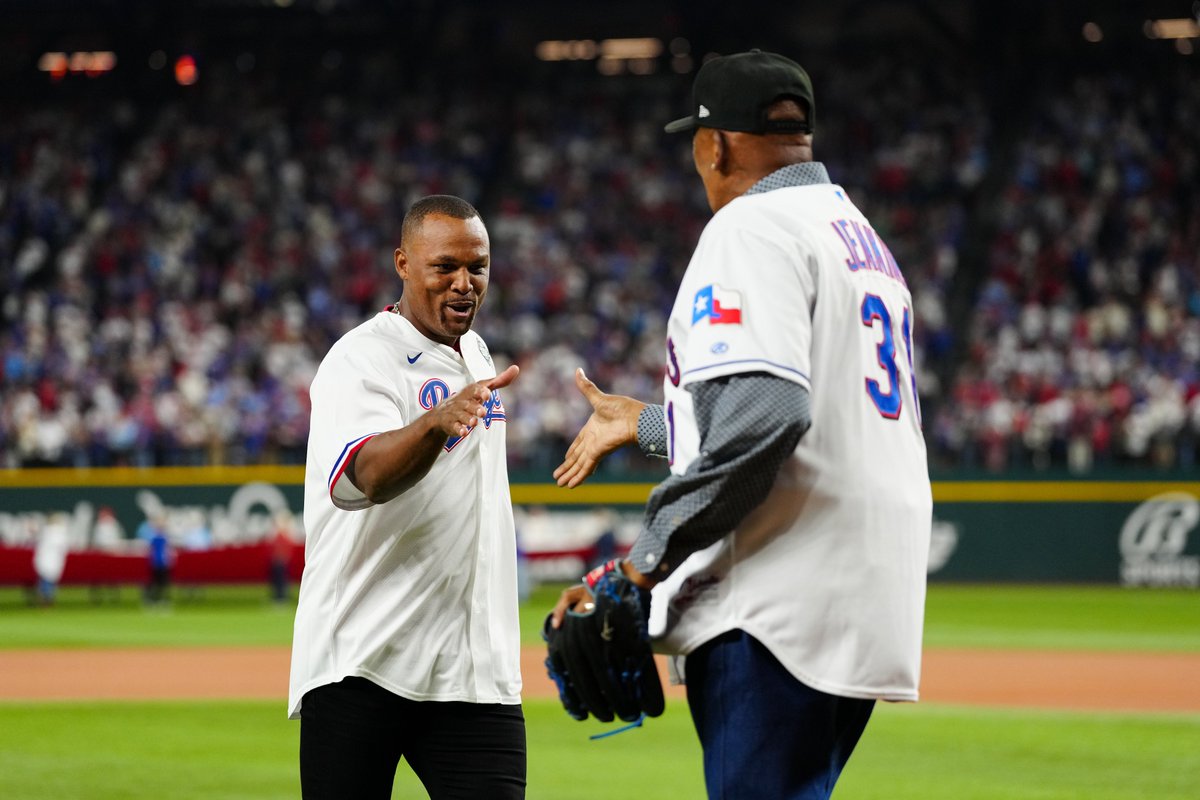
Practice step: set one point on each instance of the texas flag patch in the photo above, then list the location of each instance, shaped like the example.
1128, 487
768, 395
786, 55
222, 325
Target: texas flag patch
719, 306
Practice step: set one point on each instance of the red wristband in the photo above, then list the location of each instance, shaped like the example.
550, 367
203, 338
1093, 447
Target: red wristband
593, 577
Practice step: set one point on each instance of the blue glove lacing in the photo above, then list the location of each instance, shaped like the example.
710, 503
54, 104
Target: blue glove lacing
637, 723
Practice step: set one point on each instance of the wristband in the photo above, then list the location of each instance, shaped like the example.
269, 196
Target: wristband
593, 577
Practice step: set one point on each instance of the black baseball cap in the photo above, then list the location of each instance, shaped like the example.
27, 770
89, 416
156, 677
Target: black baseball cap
732, 93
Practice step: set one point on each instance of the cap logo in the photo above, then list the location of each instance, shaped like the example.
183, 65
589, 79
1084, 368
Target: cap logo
704, 112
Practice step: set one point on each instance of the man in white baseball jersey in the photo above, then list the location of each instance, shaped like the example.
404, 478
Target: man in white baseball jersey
406, 639
788, 548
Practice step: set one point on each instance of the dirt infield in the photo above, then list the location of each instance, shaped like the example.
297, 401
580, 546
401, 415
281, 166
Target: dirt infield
1015, 678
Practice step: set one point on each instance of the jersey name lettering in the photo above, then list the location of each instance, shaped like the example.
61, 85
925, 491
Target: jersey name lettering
867, 250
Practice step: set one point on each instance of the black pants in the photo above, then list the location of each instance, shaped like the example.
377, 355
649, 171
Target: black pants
354, 733
160, 579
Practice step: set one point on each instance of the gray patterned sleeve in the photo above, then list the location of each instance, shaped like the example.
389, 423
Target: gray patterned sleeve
652, 431
749, 424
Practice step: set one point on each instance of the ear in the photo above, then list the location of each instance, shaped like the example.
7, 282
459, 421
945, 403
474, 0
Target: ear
401, 264
720, 151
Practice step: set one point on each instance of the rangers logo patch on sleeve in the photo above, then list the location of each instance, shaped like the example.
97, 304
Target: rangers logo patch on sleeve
718, 306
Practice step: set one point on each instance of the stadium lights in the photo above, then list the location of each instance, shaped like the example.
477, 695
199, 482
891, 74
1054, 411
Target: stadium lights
90, 63
613, 56
630, 49
186, 72
568, 50
589, 49
1171, 29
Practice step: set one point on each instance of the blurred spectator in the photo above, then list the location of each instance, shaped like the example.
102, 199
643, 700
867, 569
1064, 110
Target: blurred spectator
50, 556
282, 545
160, 558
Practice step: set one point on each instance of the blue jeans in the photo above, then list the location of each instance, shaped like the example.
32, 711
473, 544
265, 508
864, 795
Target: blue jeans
764, 733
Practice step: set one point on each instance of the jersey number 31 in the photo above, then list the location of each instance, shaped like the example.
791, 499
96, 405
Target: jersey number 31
887, 399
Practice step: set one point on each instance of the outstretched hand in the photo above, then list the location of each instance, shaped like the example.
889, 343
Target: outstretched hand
457, 415
613, 423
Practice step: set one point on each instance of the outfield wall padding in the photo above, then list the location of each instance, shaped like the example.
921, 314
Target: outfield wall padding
1131, 532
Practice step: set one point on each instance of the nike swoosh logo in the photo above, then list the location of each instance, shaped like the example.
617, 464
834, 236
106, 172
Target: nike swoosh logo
413, 359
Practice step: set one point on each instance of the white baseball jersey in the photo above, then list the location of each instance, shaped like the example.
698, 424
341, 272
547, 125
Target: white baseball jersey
829, 572
418, 594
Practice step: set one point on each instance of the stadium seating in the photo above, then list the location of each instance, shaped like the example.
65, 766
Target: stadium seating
174, 271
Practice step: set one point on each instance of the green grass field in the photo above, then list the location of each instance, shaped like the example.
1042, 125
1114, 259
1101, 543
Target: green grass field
243, 750
1093, 617
136, 750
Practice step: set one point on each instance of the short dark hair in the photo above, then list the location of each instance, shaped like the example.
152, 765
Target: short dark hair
444, 204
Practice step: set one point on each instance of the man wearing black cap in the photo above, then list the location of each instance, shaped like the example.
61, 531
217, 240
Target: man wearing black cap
788, 548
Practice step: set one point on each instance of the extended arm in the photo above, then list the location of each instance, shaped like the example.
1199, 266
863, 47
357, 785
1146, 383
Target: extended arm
749, 425
392, 462
613, 423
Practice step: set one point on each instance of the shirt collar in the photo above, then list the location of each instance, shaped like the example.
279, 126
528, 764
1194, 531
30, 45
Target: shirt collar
804, 174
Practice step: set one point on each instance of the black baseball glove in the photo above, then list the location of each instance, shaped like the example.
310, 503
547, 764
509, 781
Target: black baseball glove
600, 658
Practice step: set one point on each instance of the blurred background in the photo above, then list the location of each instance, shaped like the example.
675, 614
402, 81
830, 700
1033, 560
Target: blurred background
197, 198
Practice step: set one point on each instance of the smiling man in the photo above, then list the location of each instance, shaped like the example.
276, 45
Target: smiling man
406, 638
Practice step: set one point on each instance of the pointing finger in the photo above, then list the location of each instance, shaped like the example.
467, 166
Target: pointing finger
504, 378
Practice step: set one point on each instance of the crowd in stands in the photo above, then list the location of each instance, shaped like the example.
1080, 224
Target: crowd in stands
1084, 337
172, 273
606, 210
177, 272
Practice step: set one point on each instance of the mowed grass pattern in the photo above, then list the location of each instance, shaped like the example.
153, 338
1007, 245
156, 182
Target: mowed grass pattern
244, 750
214, 750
